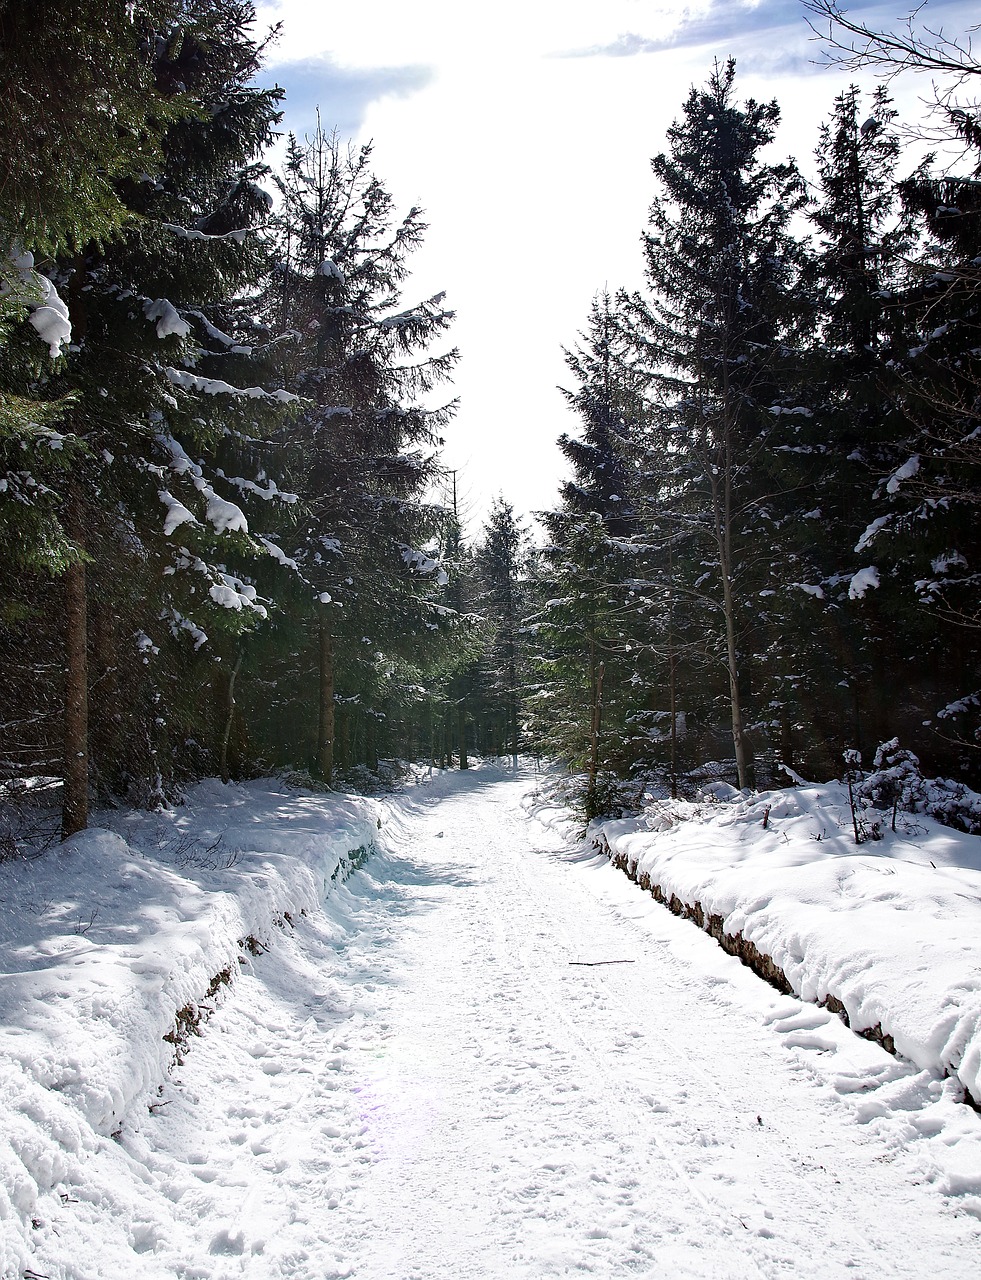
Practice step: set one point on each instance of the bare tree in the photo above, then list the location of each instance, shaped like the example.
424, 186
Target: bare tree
953, 112
856, 46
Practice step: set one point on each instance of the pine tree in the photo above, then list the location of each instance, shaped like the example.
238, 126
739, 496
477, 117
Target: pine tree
921, 538
724, 273
586, 625
826, 653
502, 599
361, 456
82, 110
148, 418
921, 531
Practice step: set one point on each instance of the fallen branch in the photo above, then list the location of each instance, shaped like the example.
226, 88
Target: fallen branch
592, 962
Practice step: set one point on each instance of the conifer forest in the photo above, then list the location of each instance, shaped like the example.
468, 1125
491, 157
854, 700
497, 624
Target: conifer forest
228, 545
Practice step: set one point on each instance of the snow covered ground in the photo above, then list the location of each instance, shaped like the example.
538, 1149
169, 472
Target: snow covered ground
891, 928
432, 1069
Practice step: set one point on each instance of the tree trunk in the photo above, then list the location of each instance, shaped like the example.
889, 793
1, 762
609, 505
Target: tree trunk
461, 725
343, 726
108, 753
325, 726
673, 695
447, 738
75, 799
228, 715
722, 504
595, 723
429, 731
371, 743
732, 663
672, 682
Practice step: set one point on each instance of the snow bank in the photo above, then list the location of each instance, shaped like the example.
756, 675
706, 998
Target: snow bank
115, 942
890, 928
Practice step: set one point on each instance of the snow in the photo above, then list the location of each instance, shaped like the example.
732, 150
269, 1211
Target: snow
861, 581
905, 472
890, 928
331, 270
177, 513
878, 523
225, 516
52, 322
484, 1054
422, 563
189, 233
279, 554
168, 319
948, 560
48, 311
267, 490
178, 623
232, 593
798, 410
218, 335
215, 387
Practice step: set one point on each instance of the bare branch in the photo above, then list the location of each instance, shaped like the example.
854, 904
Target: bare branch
856, 46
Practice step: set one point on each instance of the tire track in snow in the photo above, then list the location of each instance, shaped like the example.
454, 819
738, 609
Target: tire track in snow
512, 906
614, 1101
554, 1122
873, 1262
913, 1118
417, 1086
811, 1199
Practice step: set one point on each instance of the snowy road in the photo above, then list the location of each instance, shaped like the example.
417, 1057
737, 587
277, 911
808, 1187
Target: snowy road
423, 1086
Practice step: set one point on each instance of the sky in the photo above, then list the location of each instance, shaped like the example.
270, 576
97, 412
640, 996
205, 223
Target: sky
525, 131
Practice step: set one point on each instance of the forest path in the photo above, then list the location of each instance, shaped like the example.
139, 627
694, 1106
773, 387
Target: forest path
424, 1086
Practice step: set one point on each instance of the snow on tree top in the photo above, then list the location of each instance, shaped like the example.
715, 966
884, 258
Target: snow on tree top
48, 312
902, 473
878, 523
177, 513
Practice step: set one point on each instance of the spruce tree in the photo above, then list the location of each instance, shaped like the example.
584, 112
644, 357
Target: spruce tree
586, 624
363, 452
921, 530
502, 600
152, 521
725, 303
83, 109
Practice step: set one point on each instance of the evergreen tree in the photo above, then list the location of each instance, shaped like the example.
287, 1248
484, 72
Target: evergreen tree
362, 454
586, 624
83, 108
829, 653
148, 417
921, 538
922, 534
500, 569
724, 272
